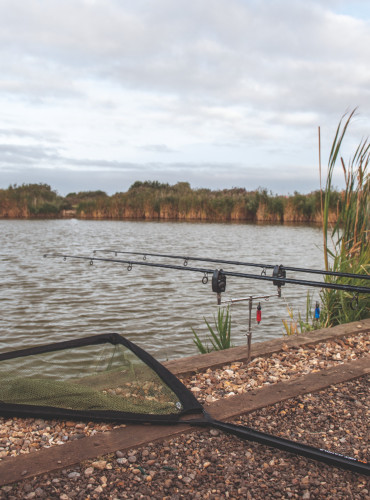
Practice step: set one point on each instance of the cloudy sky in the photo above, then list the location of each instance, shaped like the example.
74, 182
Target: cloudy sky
96, 94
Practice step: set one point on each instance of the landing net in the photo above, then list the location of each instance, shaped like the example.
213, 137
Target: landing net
103, 379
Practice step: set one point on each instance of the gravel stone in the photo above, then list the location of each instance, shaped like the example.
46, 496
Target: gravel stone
122, 461
73, 475
99, 464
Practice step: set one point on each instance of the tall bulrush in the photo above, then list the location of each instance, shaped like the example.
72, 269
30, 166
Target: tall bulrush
349, 250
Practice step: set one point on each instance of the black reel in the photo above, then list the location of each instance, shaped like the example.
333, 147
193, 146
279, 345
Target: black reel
218, 281
279, 272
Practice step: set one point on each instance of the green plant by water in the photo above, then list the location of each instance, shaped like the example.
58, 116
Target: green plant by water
345, 242
220, 335
300, 324
349, 235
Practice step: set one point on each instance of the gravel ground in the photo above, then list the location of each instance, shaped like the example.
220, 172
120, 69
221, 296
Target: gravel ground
290, 363
211, 465
19, 436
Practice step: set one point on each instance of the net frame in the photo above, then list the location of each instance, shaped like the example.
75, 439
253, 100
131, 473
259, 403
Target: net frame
189, 403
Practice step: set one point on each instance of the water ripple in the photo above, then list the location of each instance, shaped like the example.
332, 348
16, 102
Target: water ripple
46, 300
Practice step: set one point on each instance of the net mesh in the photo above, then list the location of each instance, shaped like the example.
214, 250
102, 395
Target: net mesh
95, 377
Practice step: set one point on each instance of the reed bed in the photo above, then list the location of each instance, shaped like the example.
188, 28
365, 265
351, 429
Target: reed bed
346, 242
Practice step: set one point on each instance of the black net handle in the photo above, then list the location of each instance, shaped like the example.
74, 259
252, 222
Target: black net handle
321, 455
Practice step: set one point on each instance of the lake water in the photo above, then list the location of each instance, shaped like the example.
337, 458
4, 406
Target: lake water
44, 300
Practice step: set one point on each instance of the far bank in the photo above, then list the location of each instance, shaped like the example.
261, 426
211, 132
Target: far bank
156, 201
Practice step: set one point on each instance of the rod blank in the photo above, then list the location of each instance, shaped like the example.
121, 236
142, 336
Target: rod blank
317, 284
238, 263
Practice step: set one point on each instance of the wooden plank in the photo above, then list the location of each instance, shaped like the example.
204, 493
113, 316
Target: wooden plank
56, 457
313, 382
14, 469
201, 362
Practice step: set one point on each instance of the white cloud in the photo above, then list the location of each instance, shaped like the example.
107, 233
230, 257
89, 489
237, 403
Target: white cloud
234, 84
156, 148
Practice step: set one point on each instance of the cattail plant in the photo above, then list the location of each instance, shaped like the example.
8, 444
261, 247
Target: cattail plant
349, 251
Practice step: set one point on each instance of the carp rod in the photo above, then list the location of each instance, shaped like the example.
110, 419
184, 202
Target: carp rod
219, 276
186, 259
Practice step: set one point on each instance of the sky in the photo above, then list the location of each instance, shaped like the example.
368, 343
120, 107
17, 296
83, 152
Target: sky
97, 94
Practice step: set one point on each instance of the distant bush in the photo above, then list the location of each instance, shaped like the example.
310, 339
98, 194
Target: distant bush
30, 200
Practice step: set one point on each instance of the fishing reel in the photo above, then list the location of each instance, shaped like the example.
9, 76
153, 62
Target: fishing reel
218, 283
279, 272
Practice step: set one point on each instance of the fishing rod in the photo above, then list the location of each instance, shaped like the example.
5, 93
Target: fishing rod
219, 276
186, 259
